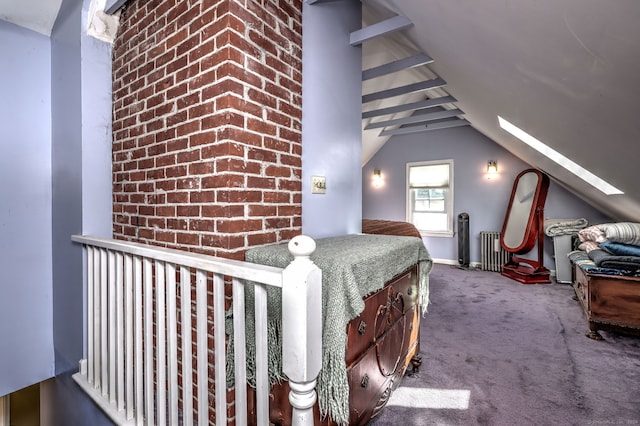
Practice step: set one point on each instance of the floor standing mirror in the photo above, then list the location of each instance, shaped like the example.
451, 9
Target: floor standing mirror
523, 228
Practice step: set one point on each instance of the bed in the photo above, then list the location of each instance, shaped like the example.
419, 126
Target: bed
375, 290
606, 277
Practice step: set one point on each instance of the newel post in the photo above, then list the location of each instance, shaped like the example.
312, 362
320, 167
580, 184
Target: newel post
302, 328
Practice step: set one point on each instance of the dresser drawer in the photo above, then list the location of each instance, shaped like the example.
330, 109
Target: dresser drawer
374, 375
366, 385
382, 309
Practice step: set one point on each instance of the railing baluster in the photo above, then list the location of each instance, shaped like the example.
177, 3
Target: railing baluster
96, 319
262, 377
90, 310
202, 347
148, 341
104, 324
128, 346
120, 346
239, 348
139, 364
172, 344
219, 345
187, 375
161, 369
111, 310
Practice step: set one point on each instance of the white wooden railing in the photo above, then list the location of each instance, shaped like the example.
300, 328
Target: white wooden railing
140, 333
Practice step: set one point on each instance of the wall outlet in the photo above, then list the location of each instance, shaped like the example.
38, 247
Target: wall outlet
318, 185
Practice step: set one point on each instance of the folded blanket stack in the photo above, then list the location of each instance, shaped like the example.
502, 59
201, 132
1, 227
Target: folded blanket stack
555, 227
613, 246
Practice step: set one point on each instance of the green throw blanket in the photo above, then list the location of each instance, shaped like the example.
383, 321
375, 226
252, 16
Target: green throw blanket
353, 266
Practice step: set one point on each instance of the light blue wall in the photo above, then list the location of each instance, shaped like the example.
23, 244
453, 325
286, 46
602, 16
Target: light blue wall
96, 108
331, 118
67, 186
485, 200
81, 204
27, 355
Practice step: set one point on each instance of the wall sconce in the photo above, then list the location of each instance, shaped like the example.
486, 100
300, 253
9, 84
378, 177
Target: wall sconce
492, 169
377, 178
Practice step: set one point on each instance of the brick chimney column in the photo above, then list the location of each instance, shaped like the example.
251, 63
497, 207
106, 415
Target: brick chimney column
207, 124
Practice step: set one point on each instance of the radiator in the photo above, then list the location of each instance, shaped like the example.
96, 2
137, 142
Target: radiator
492, 255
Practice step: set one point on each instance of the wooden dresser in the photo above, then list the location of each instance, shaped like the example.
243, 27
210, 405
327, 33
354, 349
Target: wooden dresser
610, 302
382, 341
373, 287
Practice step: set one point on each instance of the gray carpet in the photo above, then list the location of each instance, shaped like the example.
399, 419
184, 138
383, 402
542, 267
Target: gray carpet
497, 352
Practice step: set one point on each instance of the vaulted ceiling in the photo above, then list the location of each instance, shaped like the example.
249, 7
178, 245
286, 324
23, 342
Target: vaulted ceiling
565, 71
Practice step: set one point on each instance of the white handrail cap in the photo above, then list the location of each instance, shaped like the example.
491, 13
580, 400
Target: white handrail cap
302, 246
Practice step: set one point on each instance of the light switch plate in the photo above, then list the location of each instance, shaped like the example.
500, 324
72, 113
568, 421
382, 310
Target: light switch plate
318, 185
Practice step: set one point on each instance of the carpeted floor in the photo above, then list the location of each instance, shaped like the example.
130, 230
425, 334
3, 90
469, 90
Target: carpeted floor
497, 352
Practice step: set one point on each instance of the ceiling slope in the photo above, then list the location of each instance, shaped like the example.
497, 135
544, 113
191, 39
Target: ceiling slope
36, 15
564, 71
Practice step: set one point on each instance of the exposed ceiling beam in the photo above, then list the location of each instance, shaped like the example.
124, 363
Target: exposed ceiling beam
415, 119
387, 26
426, 127
391, 67
403, 90
409, 107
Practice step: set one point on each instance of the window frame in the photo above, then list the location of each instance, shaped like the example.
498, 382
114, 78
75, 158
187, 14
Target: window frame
410, 203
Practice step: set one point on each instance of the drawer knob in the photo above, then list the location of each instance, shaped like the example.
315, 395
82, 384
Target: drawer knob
410, 290
362, 327
365, 381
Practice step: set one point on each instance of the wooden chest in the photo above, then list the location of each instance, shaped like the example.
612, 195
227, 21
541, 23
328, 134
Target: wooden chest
609, 302
381, 343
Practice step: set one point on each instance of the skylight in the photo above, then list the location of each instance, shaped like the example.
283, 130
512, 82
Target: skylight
554, 155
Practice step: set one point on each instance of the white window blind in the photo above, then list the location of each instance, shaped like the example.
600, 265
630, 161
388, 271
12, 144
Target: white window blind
429, 176
430, 197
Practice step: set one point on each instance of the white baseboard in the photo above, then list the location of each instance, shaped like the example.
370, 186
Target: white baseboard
455, 262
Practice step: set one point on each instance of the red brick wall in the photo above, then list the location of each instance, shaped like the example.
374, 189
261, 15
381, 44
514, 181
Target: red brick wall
207, 124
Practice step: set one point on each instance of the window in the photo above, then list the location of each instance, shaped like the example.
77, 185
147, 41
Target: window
430, 197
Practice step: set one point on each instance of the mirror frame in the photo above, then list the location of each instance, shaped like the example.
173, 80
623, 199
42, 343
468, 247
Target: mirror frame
525, 270
530, 235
